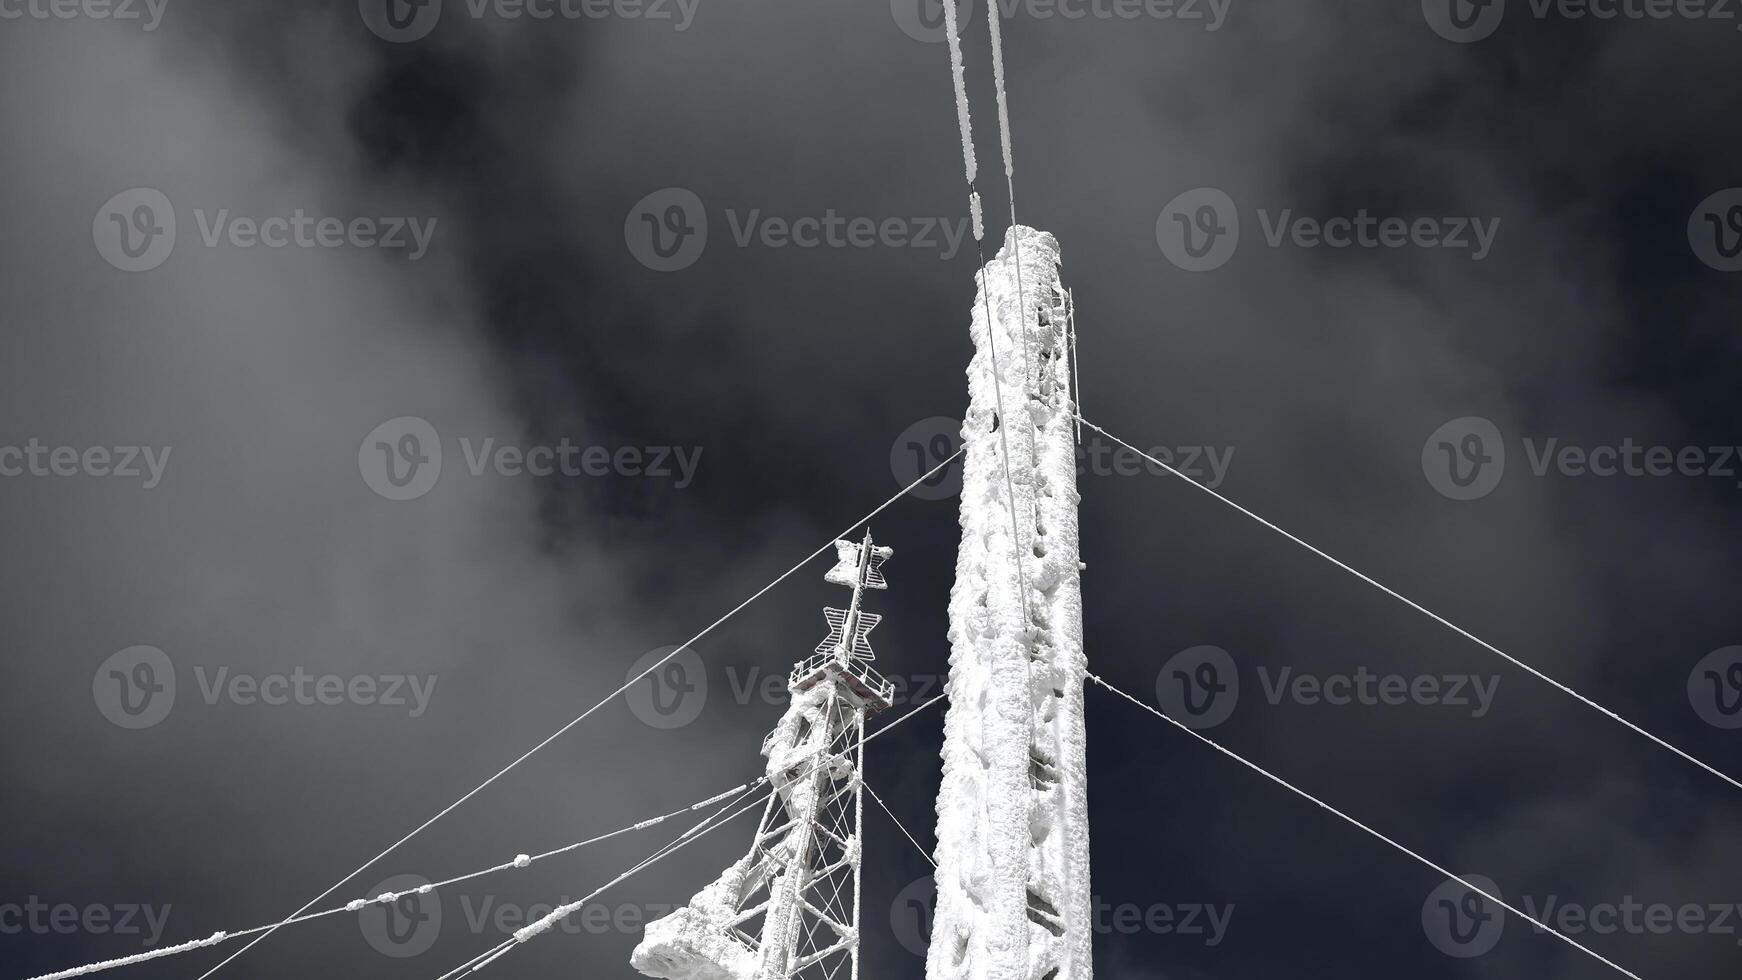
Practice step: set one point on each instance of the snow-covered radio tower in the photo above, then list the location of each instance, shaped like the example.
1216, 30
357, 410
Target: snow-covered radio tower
790, 907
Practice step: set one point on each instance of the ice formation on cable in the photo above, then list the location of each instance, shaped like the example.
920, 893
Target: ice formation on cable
1013, 868
956, 75
993, 19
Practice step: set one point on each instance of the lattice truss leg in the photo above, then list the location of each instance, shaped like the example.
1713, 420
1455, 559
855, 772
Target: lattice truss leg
789, 907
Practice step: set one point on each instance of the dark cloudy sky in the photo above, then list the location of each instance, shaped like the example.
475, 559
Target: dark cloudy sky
525, 147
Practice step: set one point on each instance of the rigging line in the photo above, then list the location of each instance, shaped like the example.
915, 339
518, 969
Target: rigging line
994, 19
534, 930
898, 824
221, 937
1076, 368
586, 714
1366, 829
689, 836
1418, 607
970, 168
357, 905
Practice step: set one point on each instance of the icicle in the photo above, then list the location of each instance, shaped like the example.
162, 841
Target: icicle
967, 126
992, 18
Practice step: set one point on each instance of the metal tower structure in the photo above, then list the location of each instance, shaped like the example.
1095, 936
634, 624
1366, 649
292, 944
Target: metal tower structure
790, 907
1013, 826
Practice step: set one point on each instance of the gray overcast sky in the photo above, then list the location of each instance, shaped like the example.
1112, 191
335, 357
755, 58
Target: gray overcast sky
792, 379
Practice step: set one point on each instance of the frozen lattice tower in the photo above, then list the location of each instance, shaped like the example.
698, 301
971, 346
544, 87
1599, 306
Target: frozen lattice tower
790, 907
1013, 830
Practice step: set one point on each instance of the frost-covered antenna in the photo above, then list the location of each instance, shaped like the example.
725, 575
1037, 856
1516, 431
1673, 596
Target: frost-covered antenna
790, 907
858, 567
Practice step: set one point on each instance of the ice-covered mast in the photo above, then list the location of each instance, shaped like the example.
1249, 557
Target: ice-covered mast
1013, 835
1013, 825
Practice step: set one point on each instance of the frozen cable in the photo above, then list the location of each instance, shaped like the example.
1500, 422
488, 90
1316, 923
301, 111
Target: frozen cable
1418, 607
1076, 369
583, 716
683, 840
1278, 780
709, 824
963, 121
386, 898
898, 824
